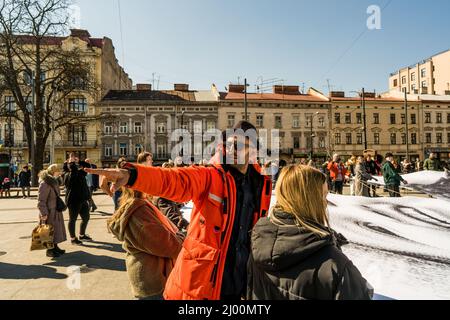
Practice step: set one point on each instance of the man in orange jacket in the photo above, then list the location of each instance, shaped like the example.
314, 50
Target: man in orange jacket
338, 174
229, 198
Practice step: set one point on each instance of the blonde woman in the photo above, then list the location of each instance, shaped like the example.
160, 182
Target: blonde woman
295, 255
47, 204
151, 241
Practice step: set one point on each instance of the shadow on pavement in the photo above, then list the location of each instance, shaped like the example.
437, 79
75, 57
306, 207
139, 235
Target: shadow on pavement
80, 258
23, 272
114, 247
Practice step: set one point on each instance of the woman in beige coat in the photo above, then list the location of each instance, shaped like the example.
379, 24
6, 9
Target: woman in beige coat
47, 199
361, 178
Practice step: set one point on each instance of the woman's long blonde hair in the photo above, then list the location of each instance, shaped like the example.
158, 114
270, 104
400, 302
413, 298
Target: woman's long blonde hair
299, 192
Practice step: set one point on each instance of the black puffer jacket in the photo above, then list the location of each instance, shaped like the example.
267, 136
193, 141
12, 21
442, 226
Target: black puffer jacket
292, 263
76, 186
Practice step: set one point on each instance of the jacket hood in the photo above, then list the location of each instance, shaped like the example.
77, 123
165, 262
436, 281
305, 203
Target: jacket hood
278, 247
118, 224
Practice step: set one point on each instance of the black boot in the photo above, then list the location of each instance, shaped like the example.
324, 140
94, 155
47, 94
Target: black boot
59, 250
52, 253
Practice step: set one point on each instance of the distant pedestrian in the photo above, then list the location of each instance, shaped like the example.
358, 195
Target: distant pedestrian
25, 182
77, 200
362, 188
392, 178
432, 163
5, 188
90, 183
47, 203
374, 170
338, 174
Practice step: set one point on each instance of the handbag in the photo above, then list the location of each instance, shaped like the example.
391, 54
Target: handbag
42, 237
60, 204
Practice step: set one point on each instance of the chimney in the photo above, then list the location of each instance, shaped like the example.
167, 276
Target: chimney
293, 90
79, 33
236, 88
143, 87
181, 87
337, 94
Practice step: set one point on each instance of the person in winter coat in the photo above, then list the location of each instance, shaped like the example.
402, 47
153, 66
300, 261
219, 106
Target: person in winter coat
392, 179
151, 241
229, 197
77, 200
432, 163
338, 173
25, 181
362, 189
373, 169
295, 255
47, 204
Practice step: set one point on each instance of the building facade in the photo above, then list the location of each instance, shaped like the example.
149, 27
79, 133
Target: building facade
144, 119
430, 76
82, 139
285, 109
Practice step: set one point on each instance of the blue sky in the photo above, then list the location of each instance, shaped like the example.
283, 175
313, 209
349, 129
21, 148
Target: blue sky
201, 42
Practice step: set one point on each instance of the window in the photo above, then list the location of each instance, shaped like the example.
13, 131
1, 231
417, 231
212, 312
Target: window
348, 118
439, 117
404, 138
161, 150
376, 138
123, 127
198, 126
448, 137
403, 118
376, 118
413, 87
393, 118
337, 138
138, 149
359, 138
308, 120
231, 120
138, 127
9, 135
321, 142
403, 80
424, 84
10, 104
423, 73
77, 134
448, 117
278, 123
427, 117
337, 118
210, 125
413, 119
295, 121
439, 137
108, 150
413, 76
108, 128
359, 118
395, 82
198, 149
348, 138
321, 122
296, 142
393, 138
259, 120
428, 137
123, 149
413, 138
77, 105
161, 127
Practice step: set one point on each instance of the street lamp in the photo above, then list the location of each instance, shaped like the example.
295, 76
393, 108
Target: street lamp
362, 95
312, 135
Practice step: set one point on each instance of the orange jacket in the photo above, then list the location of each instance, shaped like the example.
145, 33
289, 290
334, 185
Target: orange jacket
198, 271
334, 171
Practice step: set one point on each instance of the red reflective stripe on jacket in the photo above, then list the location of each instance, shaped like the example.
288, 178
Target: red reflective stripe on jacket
203, 252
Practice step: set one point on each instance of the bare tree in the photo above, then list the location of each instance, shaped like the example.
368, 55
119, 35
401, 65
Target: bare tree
39, 73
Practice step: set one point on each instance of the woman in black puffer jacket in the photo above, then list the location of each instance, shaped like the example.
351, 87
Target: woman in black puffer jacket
295, 255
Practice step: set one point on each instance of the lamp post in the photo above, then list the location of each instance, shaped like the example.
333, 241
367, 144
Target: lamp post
362, 95
312, 135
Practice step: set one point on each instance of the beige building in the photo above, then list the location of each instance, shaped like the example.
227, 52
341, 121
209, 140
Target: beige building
430, 76
385, 126
287, 110
144, 119
81, 139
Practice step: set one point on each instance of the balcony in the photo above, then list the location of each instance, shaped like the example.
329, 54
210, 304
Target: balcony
74, 144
